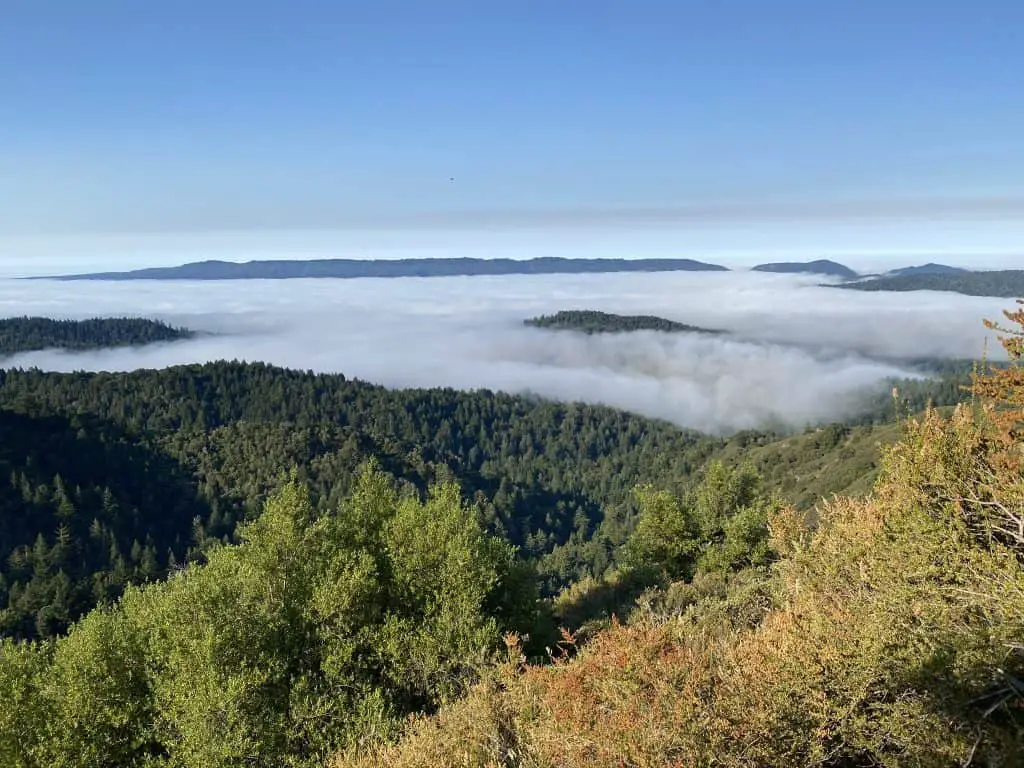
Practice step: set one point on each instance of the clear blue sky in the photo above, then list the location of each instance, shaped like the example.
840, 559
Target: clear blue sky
184, 116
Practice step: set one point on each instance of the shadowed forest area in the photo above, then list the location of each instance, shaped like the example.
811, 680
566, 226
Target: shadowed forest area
116, 479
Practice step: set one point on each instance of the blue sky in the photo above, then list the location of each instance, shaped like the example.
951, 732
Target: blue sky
193, 117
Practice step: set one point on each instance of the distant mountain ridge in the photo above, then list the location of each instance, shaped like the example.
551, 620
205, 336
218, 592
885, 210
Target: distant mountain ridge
352, 268
817, 267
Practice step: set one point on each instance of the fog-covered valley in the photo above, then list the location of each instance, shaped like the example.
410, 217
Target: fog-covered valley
795, 352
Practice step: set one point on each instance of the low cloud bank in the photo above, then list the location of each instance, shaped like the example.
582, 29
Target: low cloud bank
797, 353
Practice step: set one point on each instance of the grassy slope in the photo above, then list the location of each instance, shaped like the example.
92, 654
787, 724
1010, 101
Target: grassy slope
808, 467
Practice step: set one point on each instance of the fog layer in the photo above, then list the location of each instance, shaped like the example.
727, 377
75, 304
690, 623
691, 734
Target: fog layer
796, 352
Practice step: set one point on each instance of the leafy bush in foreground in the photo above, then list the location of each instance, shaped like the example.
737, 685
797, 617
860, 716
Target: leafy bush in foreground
314, 631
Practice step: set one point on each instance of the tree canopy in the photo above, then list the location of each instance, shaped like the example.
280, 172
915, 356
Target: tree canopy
108, 480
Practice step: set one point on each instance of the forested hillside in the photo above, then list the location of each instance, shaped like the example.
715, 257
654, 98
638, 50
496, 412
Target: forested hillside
111, 479
86, 453
26, 334
1006, 283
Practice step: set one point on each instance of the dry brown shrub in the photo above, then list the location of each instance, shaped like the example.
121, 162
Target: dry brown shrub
896, 637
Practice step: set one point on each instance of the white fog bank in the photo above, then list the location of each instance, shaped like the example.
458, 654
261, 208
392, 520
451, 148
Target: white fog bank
796, 352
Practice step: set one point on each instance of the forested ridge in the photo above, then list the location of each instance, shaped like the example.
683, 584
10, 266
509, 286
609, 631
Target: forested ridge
113, 479
593, 321
221, 435
27, 334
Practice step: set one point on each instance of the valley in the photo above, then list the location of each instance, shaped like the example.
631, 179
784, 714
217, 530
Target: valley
511, 385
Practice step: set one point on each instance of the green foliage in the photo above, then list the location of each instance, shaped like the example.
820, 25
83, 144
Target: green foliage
722, 526
26, 334
887, 635
24, 714
718, 528
666, 537
160, 465
314, 631
591, 321
590, 603
96, 695
251, 617
442, 568
85, 510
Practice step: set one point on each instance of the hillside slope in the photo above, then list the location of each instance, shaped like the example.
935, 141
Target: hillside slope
811, 467
888, 635
368, 630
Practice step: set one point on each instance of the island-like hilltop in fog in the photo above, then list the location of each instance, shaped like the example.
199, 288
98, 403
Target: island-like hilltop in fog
423, 267
31, 334
818, 267
591, 321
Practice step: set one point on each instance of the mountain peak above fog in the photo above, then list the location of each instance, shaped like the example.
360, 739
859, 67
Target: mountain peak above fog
818, 267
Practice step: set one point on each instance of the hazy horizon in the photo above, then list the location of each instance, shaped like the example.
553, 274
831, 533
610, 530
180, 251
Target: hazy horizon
864, 250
